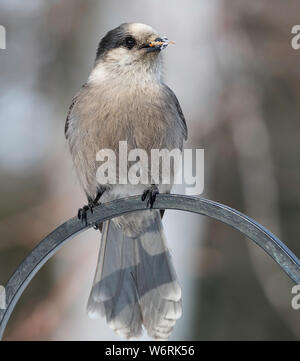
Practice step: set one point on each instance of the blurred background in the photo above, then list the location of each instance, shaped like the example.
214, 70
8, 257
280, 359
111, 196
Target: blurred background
238, 81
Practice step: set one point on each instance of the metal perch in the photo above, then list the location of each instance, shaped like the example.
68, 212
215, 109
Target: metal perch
55, 240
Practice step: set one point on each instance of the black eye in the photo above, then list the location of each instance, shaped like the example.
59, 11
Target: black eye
130, 42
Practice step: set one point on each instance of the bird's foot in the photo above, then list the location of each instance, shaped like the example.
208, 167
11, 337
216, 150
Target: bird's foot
150, 194
82, 212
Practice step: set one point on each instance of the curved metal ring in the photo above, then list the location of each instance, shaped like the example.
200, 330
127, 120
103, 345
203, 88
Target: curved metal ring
54, 241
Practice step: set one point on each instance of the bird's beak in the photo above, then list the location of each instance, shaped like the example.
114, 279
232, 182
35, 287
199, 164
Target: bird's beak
157, 45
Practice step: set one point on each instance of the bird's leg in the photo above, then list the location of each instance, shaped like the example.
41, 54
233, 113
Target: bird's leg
91, 204
151, 194
96, 200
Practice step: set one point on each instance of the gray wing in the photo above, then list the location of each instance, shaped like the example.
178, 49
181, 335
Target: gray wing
69, 115
175, 101
74, 100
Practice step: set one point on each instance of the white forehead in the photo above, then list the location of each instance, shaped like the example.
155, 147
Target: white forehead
141, 29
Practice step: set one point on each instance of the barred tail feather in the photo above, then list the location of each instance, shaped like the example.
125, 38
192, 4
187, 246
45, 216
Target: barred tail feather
135, 283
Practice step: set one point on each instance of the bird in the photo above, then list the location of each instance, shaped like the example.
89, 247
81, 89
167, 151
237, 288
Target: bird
125, 99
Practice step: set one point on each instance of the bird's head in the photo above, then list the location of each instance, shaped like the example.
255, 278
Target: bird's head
131, 47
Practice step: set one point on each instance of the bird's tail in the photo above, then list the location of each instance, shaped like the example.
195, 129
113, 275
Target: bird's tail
135, 283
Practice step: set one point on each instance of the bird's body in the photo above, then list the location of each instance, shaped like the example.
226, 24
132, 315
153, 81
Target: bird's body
125, 99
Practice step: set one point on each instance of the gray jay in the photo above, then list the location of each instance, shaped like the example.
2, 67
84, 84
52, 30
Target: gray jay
125, 99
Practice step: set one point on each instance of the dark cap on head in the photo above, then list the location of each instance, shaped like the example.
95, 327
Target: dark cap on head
113, 39
131, 36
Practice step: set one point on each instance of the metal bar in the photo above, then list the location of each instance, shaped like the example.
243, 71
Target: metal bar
55, 240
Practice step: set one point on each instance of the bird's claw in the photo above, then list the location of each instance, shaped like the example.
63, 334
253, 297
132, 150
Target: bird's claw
82, 212
151, 194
